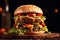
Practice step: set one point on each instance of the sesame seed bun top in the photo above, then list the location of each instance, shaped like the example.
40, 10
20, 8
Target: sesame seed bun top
28, 8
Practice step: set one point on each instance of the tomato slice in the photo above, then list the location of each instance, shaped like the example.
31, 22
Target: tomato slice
27, 24
39, 14
43, 24
19, 14
31, 14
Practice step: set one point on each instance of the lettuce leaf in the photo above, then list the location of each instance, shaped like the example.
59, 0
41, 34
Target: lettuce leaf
44, 28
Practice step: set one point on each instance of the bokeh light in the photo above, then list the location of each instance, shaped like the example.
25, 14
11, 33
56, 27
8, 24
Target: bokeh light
1, 9
56, 10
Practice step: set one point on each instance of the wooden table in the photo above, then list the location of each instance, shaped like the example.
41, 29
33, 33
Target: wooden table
53, 36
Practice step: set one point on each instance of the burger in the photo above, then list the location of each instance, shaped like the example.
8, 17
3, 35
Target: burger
29, 19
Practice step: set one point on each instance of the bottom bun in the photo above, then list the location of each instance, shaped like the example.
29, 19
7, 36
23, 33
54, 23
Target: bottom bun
34, 33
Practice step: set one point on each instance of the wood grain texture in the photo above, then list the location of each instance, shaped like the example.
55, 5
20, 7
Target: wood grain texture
37, 36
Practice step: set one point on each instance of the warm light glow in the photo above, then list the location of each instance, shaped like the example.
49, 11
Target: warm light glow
56, 10
7, 8
1, 9
2, 30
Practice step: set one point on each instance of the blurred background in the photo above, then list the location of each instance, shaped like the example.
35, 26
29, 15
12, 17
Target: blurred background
51, 9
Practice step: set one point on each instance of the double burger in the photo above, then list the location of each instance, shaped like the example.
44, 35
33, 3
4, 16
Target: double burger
29, 19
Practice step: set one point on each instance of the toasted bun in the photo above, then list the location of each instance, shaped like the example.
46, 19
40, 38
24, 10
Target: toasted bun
28, 8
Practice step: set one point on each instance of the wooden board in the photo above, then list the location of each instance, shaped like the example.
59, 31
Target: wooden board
52, 35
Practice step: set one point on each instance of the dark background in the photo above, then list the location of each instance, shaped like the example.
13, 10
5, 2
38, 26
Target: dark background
48, 6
